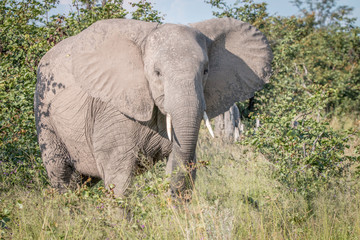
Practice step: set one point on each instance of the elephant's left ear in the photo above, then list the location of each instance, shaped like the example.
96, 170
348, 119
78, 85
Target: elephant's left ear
107, 63
239, 62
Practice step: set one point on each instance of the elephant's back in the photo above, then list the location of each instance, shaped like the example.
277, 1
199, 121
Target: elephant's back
54, 70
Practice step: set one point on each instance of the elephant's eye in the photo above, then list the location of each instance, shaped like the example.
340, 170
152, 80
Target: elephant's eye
157, 72
206, 71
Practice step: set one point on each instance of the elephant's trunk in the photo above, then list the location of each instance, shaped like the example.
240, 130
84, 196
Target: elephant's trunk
186, 117
186, 123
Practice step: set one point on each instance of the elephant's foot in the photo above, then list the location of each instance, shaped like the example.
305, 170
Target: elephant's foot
57, 161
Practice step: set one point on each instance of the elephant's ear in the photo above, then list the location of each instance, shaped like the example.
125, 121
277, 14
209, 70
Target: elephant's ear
107, 63
239, 62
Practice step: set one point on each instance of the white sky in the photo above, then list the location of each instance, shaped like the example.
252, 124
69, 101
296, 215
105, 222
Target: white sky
188, 11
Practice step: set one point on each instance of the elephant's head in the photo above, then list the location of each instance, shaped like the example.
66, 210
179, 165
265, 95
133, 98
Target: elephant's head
181, 70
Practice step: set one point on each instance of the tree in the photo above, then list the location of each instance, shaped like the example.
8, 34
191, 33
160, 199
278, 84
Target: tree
145, 12
244, 10
326, 12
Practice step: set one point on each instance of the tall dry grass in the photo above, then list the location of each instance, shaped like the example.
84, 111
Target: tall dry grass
235, 197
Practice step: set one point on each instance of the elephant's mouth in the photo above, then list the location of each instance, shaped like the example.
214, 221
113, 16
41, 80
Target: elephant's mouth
169, 125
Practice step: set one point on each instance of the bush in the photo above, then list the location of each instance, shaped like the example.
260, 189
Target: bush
315, 77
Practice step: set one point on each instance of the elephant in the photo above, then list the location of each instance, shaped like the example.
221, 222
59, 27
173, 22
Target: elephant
125, 90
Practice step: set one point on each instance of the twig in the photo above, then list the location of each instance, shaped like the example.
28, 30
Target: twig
296, 69
316, 140
257, 123
343, 140
302, 115
306, 71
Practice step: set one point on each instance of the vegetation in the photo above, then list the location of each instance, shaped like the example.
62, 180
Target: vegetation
235, 197
316, 77
295, 177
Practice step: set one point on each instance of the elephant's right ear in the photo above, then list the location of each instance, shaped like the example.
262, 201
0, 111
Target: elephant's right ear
107, 63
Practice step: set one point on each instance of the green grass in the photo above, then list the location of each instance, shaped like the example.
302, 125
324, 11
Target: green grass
235, 197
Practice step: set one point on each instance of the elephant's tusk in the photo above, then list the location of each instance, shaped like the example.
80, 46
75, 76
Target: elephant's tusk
208, 125
168, 126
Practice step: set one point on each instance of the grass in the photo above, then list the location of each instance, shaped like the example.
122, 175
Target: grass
235, 197
345, 122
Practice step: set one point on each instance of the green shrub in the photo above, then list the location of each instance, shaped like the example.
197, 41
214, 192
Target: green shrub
316, 76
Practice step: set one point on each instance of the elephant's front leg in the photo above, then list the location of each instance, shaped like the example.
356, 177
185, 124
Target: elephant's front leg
118, 171
114, 150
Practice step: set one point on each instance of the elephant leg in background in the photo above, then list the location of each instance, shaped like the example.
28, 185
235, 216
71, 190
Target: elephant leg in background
114, 149
57, 161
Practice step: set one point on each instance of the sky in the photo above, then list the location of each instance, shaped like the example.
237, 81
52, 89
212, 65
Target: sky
188, 11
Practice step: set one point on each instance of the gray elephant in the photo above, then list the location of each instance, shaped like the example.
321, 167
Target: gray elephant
124, 90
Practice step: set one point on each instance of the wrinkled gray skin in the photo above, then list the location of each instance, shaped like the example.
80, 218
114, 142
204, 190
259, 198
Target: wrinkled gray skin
102, 96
